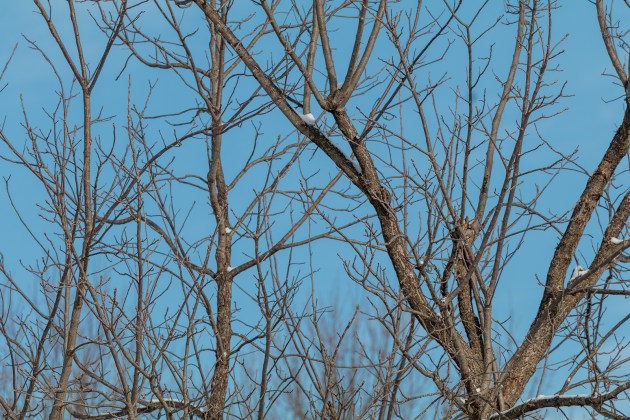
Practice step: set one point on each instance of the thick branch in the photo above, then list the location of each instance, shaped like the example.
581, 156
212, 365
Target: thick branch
557, 401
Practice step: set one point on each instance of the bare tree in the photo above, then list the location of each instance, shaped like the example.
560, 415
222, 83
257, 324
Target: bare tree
181, 241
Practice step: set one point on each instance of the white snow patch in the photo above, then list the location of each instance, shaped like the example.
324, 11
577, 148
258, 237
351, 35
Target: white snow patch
307, 118
230, 268
228, 230
355, 164
166, 400
578, 271
478, 389
616, 241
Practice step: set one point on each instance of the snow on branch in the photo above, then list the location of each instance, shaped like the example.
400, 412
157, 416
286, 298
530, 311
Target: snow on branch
307, 118
310, 119
578, 271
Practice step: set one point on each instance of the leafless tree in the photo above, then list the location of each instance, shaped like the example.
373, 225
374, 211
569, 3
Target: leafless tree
202, 158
